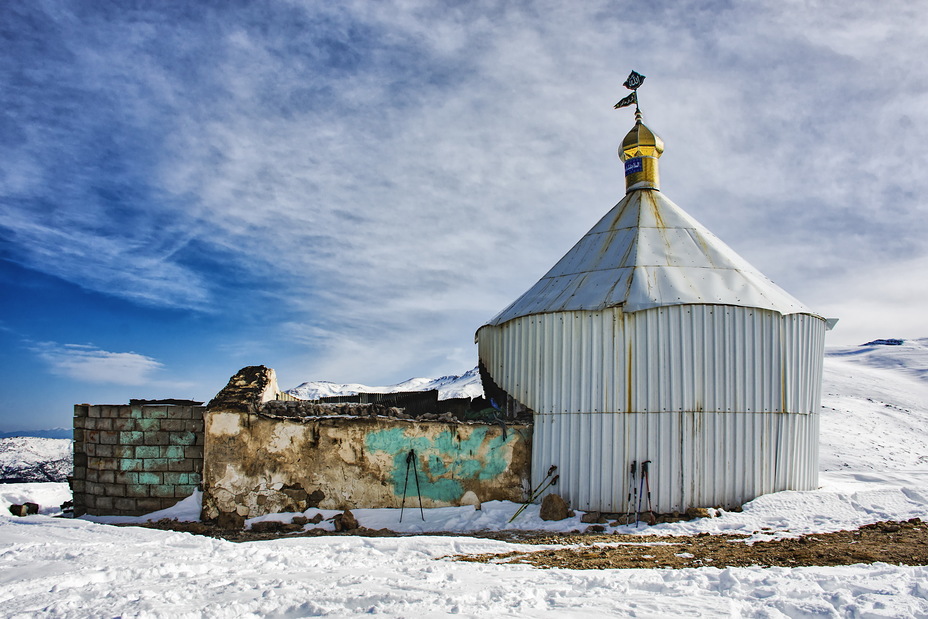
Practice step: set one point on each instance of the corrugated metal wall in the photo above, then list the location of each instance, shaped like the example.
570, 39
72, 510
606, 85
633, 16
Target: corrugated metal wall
724, 400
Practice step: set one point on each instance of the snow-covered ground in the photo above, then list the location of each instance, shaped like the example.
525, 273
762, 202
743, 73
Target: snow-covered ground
874, 449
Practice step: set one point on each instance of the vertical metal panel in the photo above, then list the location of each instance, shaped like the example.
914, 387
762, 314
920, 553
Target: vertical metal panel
697, 459
683, 358
724, 400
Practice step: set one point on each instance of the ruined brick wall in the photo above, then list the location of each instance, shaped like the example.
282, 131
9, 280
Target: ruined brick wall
264, 456
258, 464
131, 460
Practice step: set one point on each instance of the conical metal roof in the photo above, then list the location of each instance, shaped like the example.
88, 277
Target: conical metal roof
645, 253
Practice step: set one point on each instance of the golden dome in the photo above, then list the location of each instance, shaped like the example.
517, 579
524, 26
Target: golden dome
640, 151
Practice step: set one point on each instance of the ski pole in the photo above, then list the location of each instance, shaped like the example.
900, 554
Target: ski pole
647, 482
534, 496
415, 471
534, 492
405, 485
553, 482
640, 491
632, 492
411, 462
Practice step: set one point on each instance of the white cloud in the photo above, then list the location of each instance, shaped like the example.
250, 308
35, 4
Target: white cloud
390, 175
89, 364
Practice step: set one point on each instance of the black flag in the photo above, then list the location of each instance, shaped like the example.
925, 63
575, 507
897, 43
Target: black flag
632, 98
634, 80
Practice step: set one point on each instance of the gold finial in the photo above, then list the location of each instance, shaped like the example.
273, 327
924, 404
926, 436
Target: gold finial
641, 147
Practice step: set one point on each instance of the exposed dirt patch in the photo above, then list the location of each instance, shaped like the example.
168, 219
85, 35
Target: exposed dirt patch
889, 542
262, 531
903, 543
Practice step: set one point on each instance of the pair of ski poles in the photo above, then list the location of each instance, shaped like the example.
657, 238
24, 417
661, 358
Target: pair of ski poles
637, 486
543, 485
411, 462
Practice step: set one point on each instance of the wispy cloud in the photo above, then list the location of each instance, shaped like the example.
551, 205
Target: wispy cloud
90, 364
386, 176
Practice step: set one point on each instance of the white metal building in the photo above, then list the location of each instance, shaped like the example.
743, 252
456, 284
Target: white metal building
653, 340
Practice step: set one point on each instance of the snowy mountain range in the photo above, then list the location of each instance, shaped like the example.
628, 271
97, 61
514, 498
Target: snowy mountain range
53, 433
30, 459
466, 385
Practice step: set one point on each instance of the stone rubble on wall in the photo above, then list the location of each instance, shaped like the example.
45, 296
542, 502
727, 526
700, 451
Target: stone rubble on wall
298, 409
293, 409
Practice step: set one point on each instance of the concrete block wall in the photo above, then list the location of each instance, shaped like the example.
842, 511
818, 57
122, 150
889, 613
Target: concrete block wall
135, 459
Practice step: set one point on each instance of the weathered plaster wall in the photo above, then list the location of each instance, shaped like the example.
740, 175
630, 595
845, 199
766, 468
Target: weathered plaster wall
255, 464
135, 459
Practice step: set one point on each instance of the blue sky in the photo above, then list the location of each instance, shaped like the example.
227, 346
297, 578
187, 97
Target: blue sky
347, 191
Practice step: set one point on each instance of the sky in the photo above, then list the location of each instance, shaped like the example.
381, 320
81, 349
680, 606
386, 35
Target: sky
347, 191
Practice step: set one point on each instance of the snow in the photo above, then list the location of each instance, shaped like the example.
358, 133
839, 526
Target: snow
874, 468
466, 385
49, 496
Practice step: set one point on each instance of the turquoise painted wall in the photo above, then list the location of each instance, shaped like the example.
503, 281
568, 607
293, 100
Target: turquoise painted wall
443, 461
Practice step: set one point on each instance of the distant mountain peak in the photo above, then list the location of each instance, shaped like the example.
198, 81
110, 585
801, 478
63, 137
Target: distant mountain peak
466, 385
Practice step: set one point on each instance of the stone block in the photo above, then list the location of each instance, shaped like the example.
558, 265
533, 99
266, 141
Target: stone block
90, 449
162, 491
104, 451
131, 464
150, 479
172, 425
102, 464
156, 438
183, 491
180, 479
80, 422
115, 490
179, 413
79, 484
147, 451
126, 424
181, 466
194, 452
92, 475
123, 451
95, 489
135, 411
195, 426
91, 436
148, 425
137, 491
101, 423
183, 438
106, 477
155, 412
80, 459
109, 411
126, 478
104, 503
108, 438
146, 506
125, 505
80, 410
93, 411
156, 464
175, 452
131, 438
